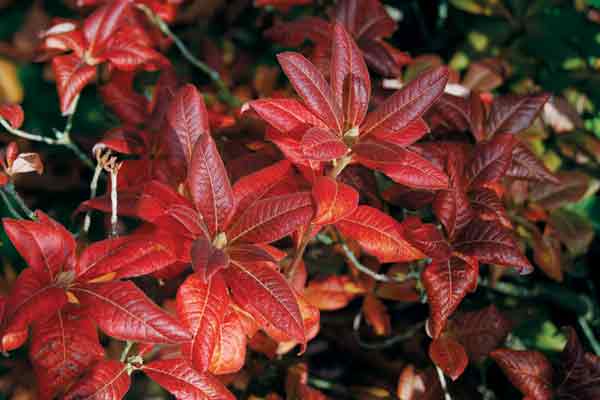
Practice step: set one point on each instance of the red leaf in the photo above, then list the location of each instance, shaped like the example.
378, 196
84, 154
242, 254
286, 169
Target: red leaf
450, 356
579, 372
71, 75
61, 349
207, 259
452, 207
428, 239
480, 332
178, 377
572, 187
265, 294
401, 165
407, 104
127, 256
447, 283
490, 160
489, 207
123, 311
13, 114
285, 115
99, 27
33, 298
347, 64
209, 185
526, 165
272, 218
251, 188
407, 136
118, 94
106, 380
514, 113
331, 293
312, 87
126, 52
201, 305
334, 200
322, 145
188, 117
379, 234
491, 243
376, 315
47, 247
229, 354
528, 371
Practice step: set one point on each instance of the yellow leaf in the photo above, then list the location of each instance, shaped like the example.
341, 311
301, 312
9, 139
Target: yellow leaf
11, 90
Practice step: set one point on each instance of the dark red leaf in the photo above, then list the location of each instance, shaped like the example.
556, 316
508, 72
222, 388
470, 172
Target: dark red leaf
447, 283
490, 160
450, 356
514, 113
491, 243
71, 75
528, 371
526, 165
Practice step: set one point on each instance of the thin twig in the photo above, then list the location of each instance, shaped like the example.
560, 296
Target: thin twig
300, 251
128, 345
388, 342
63, 138
589, 334
224, 92
358, 265
9, 189
87, 221
443, 384
9, 205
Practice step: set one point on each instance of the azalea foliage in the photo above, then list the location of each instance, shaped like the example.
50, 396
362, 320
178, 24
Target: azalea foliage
423, 190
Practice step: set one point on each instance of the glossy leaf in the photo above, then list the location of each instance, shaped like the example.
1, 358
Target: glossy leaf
207, 259
513, 113
285, 115
579, 371
264, 293
312, 87
491, 243
178, 377
72, 75
272, 218
209, 185
322, 145
229, 354
107, 380
123, 311
333, 200
188, 118
528, 371
407, 104
447, 283
61, 349
201, 305
379, 234
526, 165
490, 161
449, 355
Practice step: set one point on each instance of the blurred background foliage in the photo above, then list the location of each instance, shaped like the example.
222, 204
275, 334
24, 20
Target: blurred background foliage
517, 45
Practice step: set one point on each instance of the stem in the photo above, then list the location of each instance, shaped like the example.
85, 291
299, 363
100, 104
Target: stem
93, 190
339, 166
114, 200
580, 304
128, 345
213, 75
10, 190
443, 384
388, 342
9, 205
358, 265
589, 334
62, 139
300, 252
